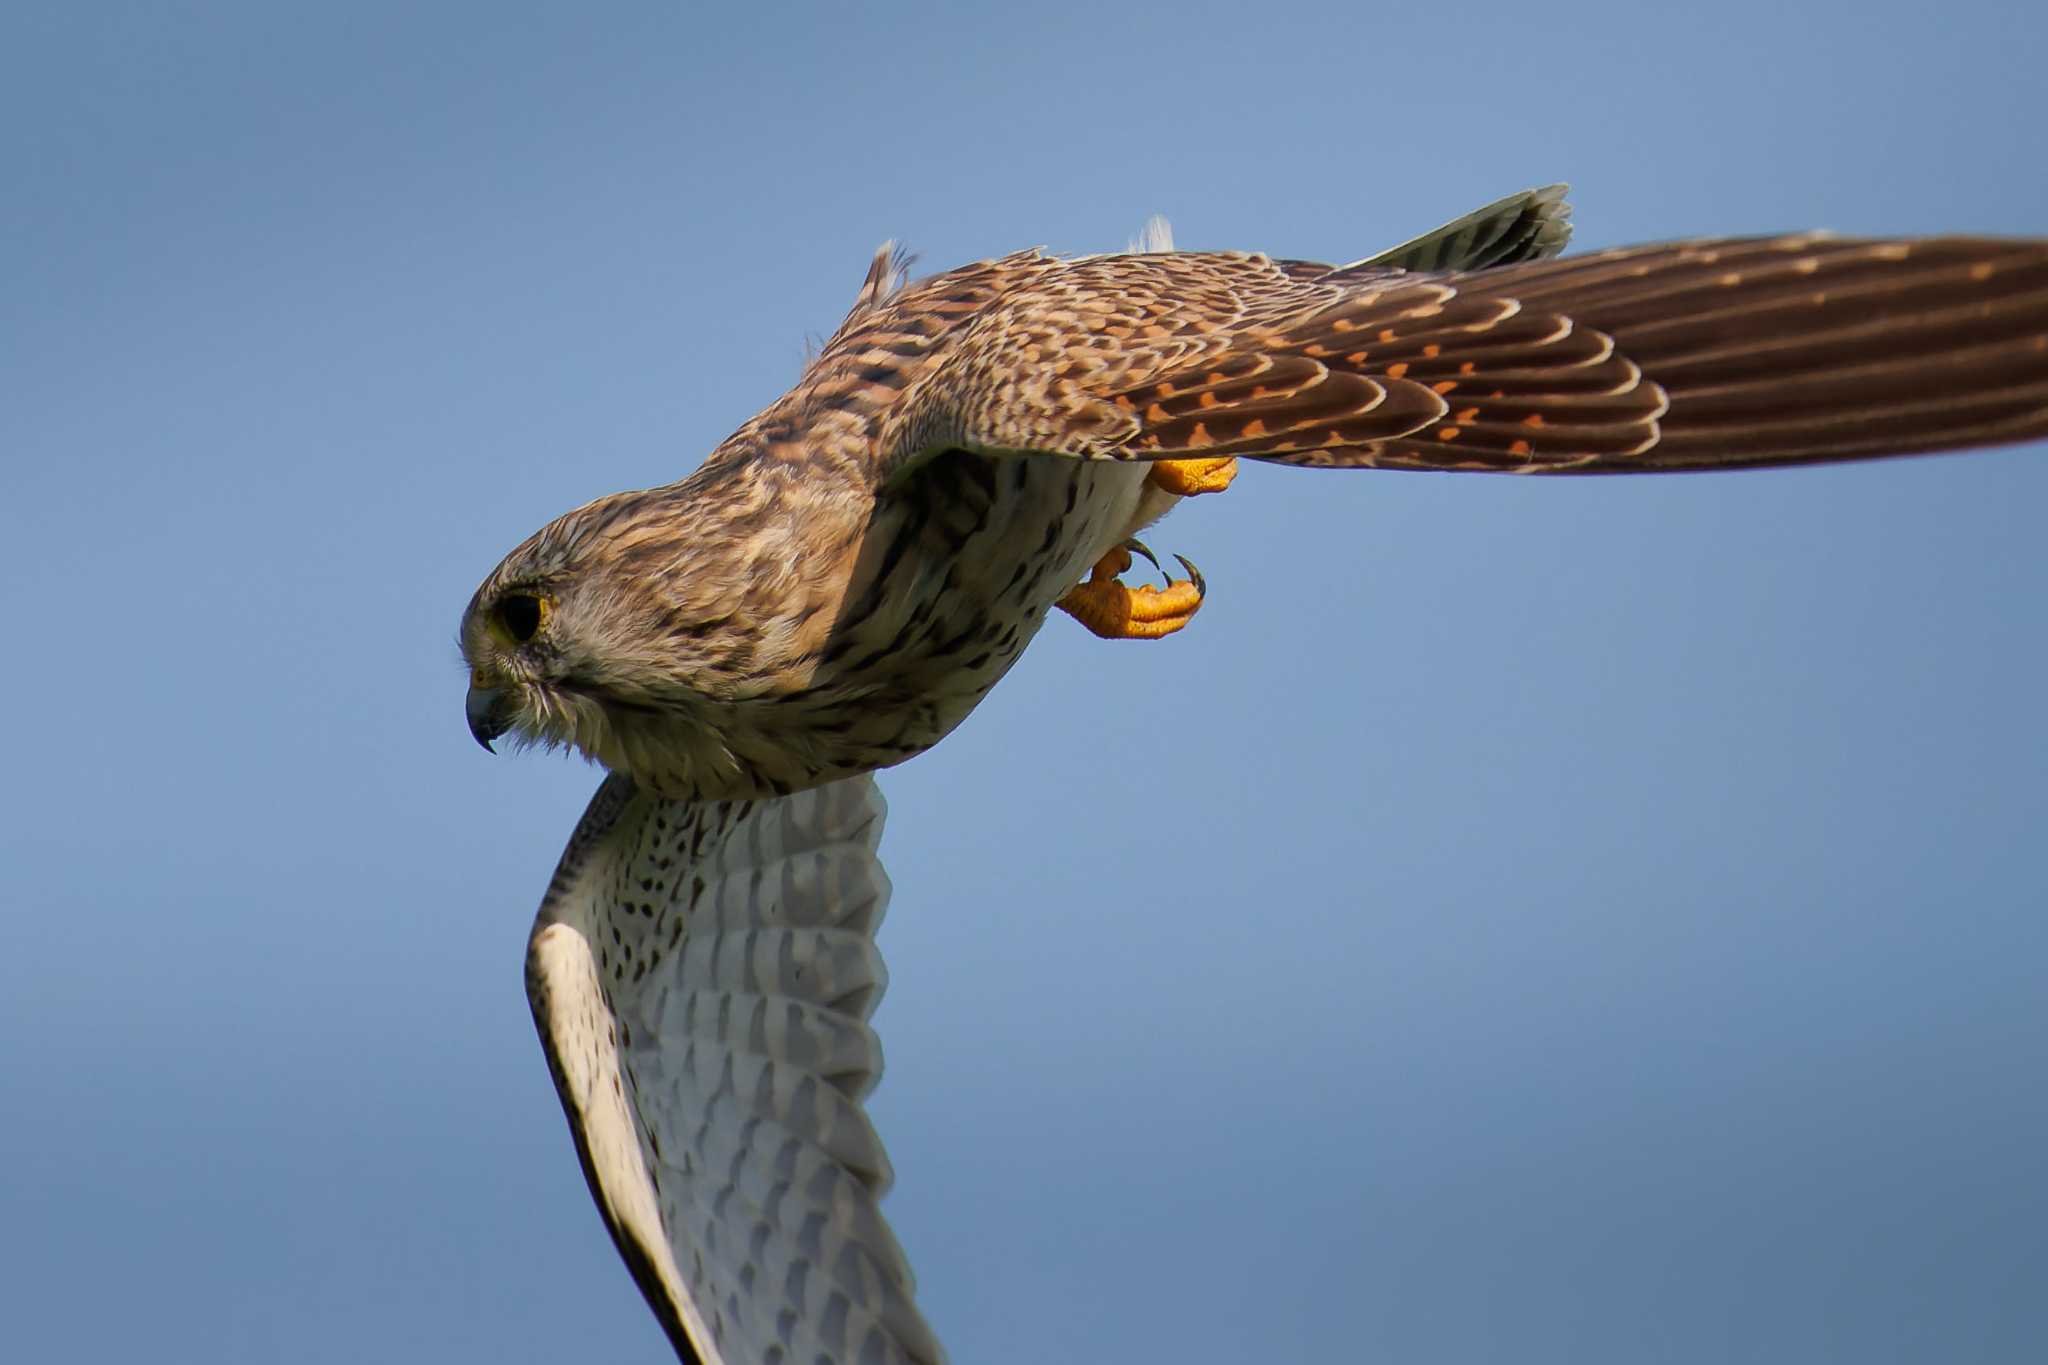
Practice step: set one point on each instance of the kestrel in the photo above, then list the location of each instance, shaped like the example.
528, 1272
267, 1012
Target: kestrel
850, 572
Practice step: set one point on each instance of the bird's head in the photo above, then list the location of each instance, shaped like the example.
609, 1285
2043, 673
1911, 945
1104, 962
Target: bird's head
639, 629
592, 635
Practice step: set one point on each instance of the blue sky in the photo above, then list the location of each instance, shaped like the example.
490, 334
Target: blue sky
1548, 921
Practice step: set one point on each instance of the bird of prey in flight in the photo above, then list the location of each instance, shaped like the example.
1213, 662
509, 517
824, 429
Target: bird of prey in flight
850, 572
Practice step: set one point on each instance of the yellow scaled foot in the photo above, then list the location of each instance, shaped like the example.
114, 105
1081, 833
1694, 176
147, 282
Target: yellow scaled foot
1117, 612
1186, 478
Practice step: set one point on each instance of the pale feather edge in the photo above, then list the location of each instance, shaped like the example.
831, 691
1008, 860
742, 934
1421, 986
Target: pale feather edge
561, 971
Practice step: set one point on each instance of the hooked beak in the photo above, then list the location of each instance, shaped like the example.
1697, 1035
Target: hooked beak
487, 713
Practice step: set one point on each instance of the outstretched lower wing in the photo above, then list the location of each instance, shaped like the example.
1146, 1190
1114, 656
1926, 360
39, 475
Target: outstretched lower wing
702, 974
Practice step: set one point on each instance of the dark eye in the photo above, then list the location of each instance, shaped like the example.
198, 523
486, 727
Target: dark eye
522, 614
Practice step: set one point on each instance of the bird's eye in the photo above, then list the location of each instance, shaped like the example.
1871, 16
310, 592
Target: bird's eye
521, 614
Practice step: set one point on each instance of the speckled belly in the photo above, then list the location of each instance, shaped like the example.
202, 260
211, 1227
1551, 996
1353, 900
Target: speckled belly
954, 576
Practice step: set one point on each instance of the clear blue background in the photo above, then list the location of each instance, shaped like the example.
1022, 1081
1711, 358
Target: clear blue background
1521, 921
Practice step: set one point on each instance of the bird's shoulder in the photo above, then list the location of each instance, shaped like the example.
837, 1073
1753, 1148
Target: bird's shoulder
1033, 309
912, 359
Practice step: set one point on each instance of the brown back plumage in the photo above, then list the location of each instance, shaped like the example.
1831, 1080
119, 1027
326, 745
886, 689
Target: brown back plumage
1679, 356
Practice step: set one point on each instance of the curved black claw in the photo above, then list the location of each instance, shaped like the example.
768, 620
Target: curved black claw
1194, 576
1144, 552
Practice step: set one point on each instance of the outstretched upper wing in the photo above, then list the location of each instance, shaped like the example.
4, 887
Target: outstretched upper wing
1678, 356
701, 974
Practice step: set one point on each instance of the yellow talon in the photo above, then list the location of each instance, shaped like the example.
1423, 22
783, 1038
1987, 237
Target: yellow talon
1115, 611
1186, 478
